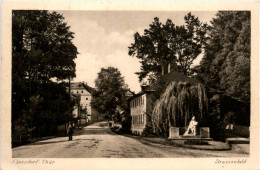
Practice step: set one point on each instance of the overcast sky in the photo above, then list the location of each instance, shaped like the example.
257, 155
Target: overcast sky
103, 38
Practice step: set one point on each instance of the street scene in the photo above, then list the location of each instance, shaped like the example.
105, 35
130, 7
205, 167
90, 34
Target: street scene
100, 142
130, 84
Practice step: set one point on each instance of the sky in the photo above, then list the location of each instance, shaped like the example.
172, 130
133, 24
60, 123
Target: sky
103, 37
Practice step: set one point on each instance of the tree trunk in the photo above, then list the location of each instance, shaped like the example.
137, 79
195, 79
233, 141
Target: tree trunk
169, 67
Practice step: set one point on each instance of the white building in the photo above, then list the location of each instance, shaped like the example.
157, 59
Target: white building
86, 111
140, 106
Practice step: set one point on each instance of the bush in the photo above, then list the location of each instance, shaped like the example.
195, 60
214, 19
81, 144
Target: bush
126, 123
20, 132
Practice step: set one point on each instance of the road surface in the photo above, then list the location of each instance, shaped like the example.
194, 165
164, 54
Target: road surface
100, 142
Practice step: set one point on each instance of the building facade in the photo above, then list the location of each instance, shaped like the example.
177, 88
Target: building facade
140, 107
85, 111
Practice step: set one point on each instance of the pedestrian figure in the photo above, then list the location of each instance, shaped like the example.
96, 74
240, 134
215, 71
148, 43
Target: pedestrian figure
70, 132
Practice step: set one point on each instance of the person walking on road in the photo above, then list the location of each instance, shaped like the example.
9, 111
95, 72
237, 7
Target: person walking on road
70, 132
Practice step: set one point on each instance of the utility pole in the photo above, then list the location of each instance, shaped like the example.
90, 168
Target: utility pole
70, 98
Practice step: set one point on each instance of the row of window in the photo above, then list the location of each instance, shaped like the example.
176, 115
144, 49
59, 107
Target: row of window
138, 119
137, 102
78, 91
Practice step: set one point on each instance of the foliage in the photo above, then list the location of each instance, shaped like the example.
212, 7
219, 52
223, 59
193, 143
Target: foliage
42, 50
166, 44
126, 123
226, 63
110, 91
177, 105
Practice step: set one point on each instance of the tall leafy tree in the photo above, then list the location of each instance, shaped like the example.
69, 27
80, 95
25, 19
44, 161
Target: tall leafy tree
164, 45
153, 48
188, 41
42, 46
42, 51
226, 63
110, 91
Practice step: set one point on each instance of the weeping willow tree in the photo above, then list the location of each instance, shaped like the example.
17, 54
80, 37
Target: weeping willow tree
177, 105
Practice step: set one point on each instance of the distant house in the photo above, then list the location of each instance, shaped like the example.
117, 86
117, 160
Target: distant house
85, 111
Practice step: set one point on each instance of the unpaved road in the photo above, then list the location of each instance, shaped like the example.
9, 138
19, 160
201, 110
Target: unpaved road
100, 142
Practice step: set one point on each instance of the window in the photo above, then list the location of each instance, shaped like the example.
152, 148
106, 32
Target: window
77, 91
81, 91
86, 98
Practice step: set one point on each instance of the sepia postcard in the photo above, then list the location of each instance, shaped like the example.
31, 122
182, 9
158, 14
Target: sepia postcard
130, 85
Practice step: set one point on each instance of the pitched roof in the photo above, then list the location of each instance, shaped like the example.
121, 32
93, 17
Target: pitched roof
81, 86
169, 77
88, 88
174, 76
76, 86
178, 76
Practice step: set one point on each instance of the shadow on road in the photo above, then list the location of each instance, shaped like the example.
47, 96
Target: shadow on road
60, 141
93, 131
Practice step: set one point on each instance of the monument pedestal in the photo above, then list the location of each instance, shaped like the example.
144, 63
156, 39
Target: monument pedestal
203, 134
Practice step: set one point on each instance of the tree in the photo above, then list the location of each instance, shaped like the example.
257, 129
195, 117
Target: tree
110, 91
188, 42
226, 63
42, 46
163, 45
152, 48
42, 51
177, 105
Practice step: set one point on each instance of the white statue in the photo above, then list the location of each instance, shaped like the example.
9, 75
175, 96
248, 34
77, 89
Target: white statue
191, 127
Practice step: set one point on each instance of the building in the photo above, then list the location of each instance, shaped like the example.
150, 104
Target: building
141, 104
85, 95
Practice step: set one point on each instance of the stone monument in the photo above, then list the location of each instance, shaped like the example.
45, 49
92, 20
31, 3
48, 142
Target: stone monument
192, 128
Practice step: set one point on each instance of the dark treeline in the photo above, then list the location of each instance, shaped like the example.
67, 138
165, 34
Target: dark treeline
42, 58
